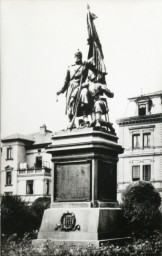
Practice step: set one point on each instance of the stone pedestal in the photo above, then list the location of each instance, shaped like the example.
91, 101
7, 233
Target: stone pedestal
84, 209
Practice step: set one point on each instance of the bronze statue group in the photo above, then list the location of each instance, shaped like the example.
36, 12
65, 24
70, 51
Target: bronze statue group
86, 94
85, 84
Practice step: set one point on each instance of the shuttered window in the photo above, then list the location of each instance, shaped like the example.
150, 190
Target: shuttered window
146, 172
8, 178
135, 141
9, 153
146, 140
135, 172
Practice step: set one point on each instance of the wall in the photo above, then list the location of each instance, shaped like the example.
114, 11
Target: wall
18, 155
33, 153
38, 187
141, 156
21, 155
157, 105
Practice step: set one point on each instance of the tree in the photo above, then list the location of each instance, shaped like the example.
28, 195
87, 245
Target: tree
38, 207
16, 216
141, 202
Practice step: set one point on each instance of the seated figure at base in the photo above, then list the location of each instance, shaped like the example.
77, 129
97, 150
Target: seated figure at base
99, 102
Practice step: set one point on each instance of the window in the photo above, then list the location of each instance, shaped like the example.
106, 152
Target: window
8, 178
29, 187
38, 163
9, 153
142, 110
135, 172
47, 185
135, 141
146, 140
47, 171
146, 172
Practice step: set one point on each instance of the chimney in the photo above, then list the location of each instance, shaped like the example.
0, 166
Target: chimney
43, 129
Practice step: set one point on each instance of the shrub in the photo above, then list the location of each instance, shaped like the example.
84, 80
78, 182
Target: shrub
38, 207
140, 206
16, 216
23, 247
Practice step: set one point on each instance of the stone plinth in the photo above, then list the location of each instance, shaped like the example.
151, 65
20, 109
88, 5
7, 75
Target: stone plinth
84, 208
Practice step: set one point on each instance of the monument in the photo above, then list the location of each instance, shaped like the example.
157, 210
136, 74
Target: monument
84, 208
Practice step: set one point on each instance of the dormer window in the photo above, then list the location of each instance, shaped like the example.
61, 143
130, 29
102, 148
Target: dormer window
144, 106
142, 110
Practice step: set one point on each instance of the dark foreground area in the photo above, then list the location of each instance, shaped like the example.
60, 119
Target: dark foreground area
14, 246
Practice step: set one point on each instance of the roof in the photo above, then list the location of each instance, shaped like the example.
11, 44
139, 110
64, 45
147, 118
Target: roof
39, 138
18, 136
153, 94
133, 120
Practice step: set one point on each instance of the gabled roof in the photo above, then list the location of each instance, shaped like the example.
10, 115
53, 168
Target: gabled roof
8, 167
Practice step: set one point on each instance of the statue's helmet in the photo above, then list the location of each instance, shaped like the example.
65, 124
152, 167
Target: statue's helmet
78, 54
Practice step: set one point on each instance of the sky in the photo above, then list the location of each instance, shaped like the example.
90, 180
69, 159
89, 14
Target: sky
38, 41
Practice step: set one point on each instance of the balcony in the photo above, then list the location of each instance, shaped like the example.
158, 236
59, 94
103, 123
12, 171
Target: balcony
35, 170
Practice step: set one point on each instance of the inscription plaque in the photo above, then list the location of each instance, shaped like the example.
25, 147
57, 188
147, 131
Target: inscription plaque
73, 181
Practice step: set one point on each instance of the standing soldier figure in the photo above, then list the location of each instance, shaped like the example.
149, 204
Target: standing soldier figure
75, 76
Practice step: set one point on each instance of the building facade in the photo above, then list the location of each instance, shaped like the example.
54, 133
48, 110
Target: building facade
25, 165
140, 133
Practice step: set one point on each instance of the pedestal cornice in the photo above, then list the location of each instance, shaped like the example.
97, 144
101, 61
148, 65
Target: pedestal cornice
90, 140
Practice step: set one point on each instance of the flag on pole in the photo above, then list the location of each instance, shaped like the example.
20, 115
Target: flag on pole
95, 47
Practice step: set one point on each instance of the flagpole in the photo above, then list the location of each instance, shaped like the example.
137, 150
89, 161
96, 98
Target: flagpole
80, 86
